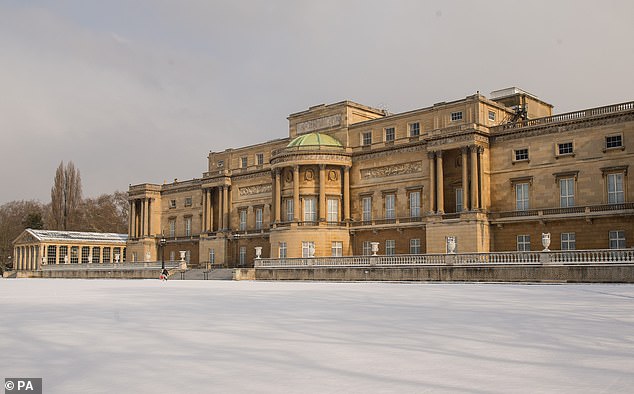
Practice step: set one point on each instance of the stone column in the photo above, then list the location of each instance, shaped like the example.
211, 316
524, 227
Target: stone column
480, 178
130, 219
225, 207
210, 210
440, 192
221, 214
322, 192
432, 182
296, 207
203, 224
474, 178
133, 218
346, 193
277, 196
465, 179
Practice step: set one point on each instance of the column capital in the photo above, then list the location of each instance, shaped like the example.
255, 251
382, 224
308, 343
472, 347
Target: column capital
431, 155
439, 154
480, 149
464, 149
322, 166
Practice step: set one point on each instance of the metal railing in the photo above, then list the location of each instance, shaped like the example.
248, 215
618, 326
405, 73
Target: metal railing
598, 256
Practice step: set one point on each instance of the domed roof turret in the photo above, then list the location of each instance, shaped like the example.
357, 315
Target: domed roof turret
314, 140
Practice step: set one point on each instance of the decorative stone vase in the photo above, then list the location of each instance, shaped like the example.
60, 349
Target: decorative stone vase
147, 256
258, 252
183, 262
311, 251
375, 248
117, 256
451, 245
546, 241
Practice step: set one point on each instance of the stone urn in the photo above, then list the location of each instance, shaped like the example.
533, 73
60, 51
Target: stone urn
546, 241
375, 248
117, 257
451, 245
311, 250
183, 262
147, 256
258, 252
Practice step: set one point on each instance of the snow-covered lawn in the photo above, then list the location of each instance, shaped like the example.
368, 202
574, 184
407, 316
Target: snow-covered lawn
134, 336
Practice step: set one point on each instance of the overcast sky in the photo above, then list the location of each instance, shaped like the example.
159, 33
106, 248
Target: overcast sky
141, 91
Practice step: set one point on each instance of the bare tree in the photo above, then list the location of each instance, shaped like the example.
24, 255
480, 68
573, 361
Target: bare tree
106, 213
15, 216
65, 197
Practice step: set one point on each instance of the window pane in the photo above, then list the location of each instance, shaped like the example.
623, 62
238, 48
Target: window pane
414, 204
333, 210
367, 209
390, 212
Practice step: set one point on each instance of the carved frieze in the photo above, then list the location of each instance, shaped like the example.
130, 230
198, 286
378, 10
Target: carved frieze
255, 189
319, 124
393, 170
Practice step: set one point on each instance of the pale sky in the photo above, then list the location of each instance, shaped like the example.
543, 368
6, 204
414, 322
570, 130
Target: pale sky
141, 91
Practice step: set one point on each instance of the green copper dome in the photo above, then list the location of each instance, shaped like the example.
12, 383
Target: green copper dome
314, 140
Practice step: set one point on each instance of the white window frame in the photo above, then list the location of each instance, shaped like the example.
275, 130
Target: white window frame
188, 201
259, 159
414, 246
244, 161
390, 247
456, 116
459, 202
366, 212
568, 241
521, 154
188, 226
336, 249
290, 210
565, 148
310, 209
366, 138
243, 255
282, 250
414, 204
306, 247
491, 116
616, 239
522, 196
390, 206
390, 134
259, 214
172, 227
212, 256
612, 140
366, 248
566, 192
414, 129
523, 243
616, 191
242, 224
333, 210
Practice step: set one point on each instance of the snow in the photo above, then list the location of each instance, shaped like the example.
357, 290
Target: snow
133, 336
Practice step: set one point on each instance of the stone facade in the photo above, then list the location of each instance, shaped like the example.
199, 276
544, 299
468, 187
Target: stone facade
493, 172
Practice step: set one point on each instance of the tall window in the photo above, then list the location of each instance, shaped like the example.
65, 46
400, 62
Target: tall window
51, 254
367, 248
74, 254
337, 249
523, 243
106, 255
389, 134
85, 252
258, 218
390, 202
173, 255
243, 255
459, 204
259, 159
366, 138
96, 251
367, 209
243, 220
617, 239
567, 192
568, 241
414, 129
243, 162
414, 204
616, 194
212, 256
172, 226
282, 250
310, 212
390, 247
521, 196
414, 246
289, 210
333, 210
188, 226
63, 252
308, 248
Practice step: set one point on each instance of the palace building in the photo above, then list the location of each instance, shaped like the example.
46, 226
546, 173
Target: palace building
493, 172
